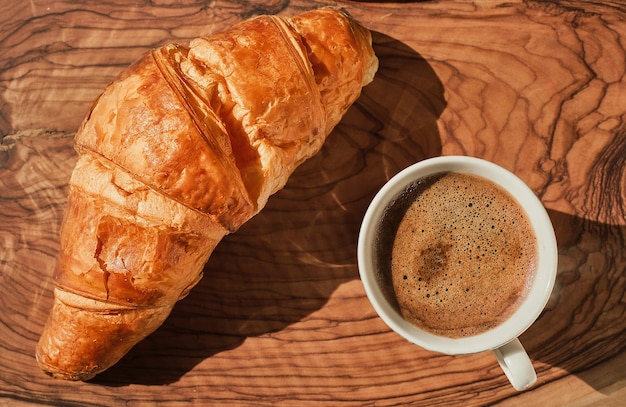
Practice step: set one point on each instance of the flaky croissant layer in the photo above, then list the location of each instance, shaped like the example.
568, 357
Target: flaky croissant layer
182, 149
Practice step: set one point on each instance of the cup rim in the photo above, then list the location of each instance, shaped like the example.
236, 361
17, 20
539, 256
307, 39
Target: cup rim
543, 282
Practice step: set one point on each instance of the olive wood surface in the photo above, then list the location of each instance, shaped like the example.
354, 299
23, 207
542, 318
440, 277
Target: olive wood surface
281, 317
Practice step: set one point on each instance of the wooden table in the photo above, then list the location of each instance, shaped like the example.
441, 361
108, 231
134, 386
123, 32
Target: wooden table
281, 317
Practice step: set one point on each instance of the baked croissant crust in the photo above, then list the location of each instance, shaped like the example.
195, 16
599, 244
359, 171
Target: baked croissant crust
180, 150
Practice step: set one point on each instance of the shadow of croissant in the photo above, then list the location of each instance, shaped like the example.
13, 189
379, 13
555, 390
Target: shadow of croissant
285, 263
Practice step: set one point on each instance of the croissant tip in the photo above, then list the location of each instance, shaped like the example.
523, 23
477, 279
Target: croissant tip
75, 377
69, 376
57, 373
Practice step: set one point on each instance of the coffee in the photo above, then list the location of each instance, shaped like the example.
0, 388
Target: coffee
456, 253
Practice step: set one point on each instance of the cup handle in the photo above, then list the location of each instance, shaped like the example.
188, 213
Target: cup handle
516, 364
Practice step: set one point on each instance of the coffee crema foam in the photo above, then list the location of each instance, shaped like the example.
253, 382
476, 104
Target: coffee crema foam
463, 254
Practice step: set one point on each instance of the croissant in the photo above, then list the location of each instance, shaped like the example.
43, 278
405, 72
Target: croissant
180, 150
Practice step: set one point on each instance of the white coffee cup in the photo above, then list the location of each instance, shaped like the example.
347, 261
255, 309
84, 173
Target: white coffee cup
503, 339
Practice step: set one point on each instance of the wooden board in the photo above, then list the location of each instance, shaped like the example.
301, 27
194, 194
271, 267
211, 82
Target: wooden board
281, 317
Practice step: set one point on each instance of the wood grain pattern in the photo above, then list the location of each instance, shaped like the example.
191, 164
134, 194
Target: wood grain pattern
281, 317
